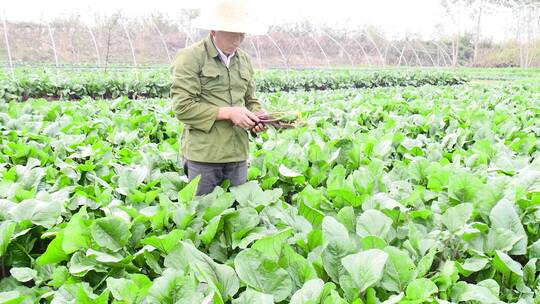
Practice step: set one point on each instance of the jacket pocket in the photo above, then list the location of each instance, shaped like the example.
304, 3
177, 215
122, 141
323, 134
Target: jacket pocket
242, 82
209, 77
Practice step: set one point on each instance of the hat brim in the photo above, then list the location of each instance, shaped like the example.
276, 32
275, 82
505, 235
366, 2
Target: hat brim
248, 26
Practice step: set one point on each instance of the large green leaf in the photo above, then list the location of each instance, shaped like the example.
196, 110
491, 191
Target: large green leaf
23, 274
426, 262
173, 287
69, 292
373, 223
504, 215
188, 192
251, 195
311, 292
506, 264
501, 239
421, 289
334, 298
130, 178
76, 233
105, 257
110, 232
399, 270
337, 244
464, 187
211, 229
456, 217
123, 289
54, 252
299, 268
464, 292
313, 215
263, 275
251, 296
166, 242
335, 232
6, 230
365, 268
12, 297
222, 278
534, 250
80, 265
41, 213
220, 201
239, 223
473, 264
270, 246
83, 297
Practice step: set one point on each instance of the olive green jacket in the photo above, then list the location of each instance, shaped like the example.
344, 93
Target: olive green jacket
201, 83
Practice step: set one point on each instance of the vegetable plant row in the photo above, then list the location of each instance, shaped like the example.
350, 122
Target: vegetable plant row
386, 195
55, 85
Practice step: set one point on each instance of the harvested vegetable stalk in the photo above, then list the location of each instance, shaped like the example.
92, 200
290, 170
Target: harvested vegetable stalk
273, 120
278, 123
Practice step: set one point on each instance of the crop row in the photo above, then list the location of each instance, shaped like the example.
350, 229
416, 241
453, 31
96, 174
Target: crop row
155, 84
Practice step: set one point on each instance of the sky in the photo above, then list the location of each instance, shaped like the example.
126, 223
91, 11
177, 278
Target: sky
395, 17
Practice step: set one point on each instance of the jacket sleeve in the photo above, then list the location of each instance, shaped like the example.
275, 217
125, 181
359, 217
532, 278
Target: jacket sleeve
185, 92
252, 103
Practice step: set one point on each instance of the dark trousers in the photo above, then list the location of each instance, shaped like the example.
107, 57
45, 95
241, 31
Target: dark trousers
213, 175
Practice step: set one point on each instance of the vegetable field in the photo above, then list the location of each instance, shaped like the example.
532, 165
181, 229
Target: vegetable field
407, 194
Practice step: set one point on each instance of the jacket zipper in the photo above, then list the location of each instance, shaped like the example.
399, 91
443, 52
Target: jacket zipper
230, 89
231, 102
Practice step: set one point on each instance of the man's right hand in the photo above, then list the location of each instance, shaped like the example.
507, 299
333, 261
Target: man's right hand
239, 116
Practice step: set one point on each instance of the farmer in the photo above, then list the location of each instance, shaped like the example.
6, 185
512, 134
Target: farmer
213, 94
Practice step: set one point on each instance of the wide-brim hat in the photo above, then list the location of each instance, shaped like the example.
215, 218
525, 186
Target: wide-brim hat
229, 16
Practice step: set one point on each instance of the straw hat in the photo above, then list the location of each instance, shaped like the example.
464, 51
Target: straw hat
229, 16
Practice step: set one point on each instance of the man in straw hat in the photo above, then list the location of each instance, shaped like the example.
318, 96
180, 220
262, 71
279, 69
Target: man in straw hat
213, 94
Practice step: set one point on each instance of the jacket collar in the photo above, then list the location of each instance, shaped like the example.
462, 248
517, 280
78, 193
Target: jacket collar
210, 47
